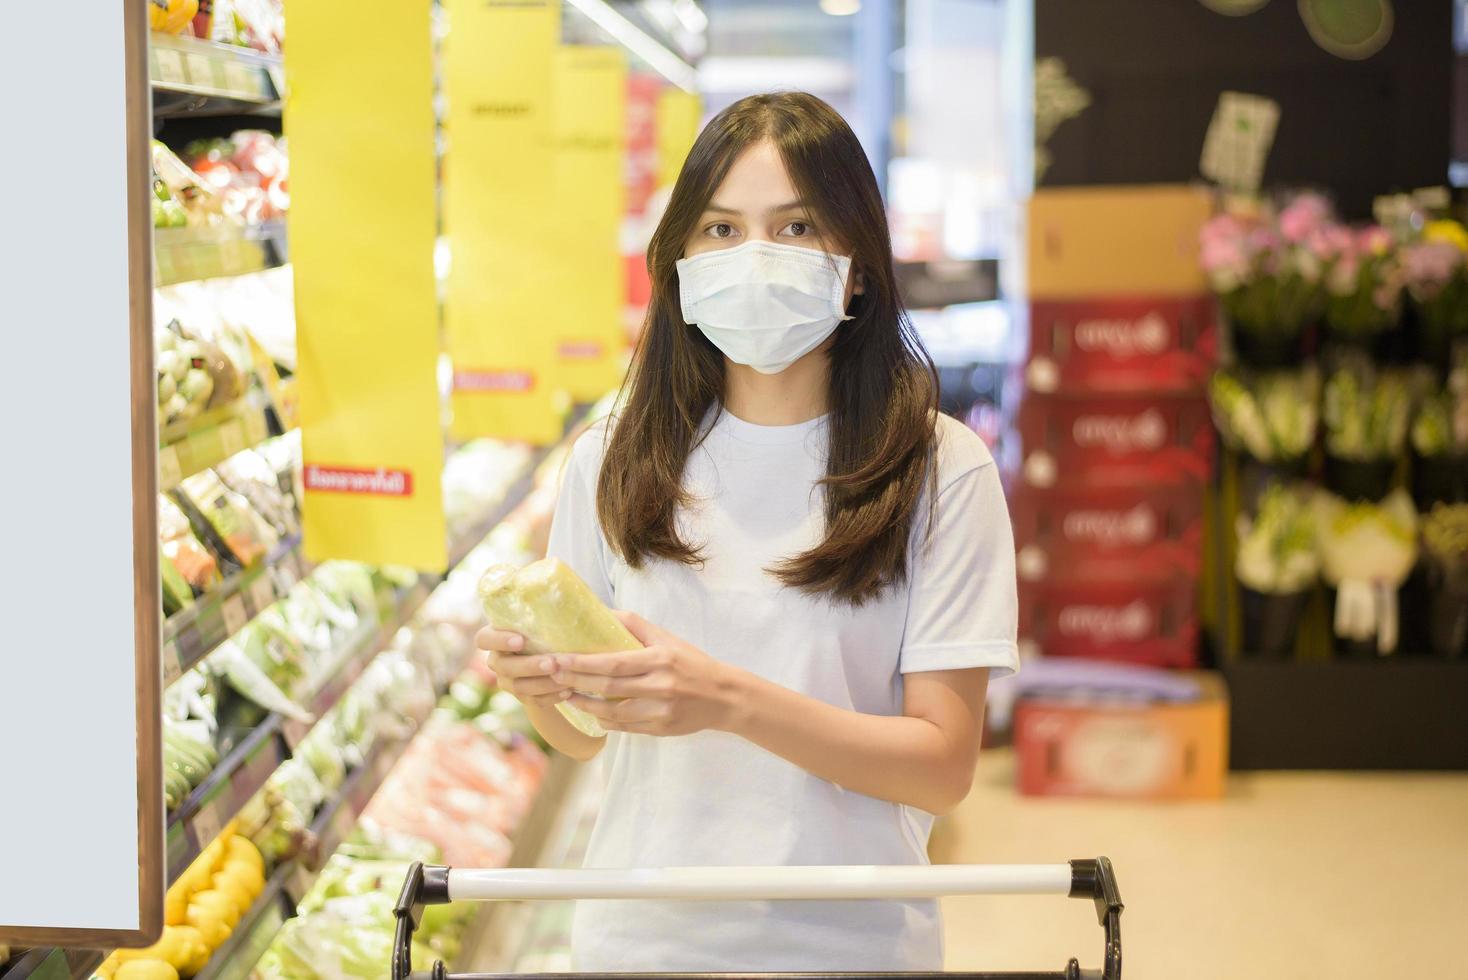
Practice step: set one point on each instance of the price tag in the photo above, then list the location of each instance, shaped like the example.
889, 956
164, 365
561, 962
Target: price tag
207, 824
262, 592
172, 664
231, 438
169, 472
241, 80
235, 616
168, 67
201, 70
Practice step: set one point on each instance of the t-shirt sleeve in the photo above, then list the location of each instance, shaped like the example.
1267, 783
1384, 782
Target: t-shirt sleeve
575, 531
962, 606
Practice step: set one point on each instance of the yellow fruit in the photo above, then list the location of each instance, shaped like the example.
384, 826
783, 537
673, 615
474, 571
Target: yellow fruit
244, 849
237, 892
198, 951
195, 878
212, 856
214, 905
109, 967
210, 926
246, 873
146, 970
175, 906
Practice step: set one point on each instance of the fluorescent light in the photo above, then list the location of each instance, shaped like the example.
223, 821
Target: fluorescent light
665, 62
840, 8
692, 16
764, 74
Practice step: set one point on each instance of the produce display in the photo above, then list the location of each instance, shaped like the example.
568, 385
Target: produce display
250, 172
189, 569
258, 24
554, 610
200, 910
189, 756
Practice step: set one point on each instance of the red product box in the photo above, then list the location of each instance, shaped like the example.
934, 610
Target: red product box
1115, 440
1151, 621
1123, 345
1107, 532
1158, 750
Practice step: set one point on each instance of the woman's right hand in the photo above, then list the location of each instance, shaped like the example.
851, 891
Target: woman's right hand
526, 677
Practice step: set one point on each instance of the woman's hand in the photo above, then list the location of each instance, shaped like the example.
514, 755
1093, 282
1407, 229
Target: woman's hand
526, 677
669, 687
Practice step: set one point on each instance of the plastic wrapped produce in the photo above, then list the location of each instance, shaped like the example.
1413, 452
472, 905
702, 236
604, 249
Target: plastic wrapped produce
254, 684
248, 536
548, 604
181, 549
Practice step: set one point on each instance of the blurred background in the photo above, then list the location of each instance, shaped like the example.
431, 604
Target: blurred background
1196, 270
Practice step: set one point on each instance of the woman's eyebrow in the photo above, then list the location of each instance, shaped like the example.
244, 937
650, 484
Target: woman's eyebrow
724, 209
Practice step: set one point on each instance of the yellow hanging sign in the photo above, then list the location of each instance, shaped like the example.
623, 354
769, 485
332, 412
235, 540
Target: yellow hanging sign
678, 116
589, 139
362, 228
498, 216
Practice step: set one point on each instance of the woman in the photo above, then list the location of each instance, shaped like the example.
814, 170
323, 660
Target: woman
819, 565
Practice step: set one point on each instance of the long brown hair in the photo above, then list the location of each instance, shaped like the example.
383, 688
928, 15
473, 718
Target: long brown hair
883, 386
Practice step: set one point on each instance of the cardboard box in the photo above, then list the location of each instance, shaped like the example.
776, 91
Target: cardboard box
1094, 242
1105, 440
1074, 531
1126, 345
1068, 747
1149, 617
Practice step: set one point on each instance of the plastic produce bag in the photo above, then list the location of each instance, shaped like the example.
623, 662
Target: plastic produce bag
556, 612
183, 551
252, 683
244, 532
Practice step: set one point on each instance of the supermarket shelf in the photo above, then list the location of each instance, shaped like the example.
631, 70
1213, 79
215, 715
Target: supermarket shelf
191, 634
189, 447
193, 77
186, 254
239, 775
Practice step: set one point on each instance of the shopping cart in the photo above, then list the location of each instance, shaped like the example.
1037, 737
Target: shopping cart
434, 885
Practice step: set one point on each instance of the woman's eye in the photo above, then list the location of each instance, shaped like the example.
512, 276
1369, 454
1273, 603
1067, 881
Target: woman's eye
721, 230
797, 229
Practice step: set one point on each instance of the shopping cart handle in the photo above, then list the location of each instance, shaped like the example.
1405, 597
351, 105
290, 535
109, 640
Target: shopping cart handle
436, 885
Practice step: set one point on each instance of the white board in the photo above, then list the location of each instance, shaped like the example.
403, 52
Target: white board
74, 683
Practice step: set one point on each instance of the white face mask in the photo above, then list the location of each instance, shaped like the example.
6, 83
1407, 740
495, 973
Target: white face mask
763, 304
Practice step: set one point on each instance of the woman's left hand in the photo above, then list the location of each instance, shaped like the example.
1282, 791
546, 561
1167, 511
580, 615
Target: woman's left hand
670, 687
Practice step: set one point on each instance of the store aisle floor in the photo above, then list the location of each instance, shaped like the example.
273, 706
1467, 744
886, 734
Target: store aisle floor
1343, 875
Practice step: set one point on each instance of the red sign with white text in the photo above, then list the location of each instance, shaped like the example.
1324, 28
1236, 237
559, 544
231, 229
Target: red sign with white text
379, 482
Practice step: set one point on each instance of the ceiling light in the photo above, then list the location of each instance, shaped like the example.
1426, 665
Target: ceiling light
840, 8
665, 62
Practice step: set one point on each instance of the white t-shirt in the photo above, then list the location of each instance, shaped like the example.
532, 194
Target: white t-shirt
715, 799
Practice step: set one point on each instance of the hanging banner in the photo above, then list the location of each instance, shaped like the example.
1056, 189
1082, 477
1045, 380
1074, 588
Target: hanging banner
590, 145
498, 216
678, 116
362, 228
642, 173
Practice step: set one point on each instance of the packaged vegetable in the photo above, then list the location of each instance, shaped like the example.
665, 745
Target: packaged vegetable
183, 551
556, 612
247, 535
252, 683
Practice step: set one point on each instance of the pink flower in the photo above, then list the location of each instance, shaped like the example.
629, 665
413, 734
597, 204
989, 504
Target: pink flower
1344, 274
1224, 254
1330, 241
1303, 216
1375, 240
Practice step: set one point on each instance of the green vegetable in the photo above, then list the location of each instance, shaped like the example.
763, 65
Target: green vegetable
176, 592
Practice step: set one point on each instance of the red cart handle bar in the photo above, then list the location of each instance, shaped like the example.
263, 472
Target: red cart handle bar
436, 885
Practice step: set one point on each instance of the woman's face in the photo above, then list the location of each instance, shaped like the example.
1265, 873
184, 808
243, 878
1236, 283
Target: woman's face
757, 203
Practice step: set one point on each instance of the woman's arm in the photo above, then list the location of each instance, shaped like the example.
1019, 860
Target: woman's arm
923, 758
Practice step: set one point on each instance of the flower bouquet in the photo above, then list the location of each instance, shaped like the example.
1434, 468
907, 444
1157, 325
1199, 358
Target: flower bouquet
1365, 412
1271, 417
1439, 440
1445, 546
1366, 552
1435, 270
1276, 566
1267, 272
1364, 284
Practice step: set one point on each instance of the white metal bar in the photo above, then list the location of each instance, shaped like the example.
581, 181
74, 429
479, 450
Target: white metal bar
741, 884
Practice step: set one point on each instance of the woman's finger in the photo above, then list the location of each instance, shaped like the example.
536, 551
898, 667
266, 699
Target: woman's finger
639, 686
629, 711
513, 665
628, 663
550, 700
535, 687
502, 641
